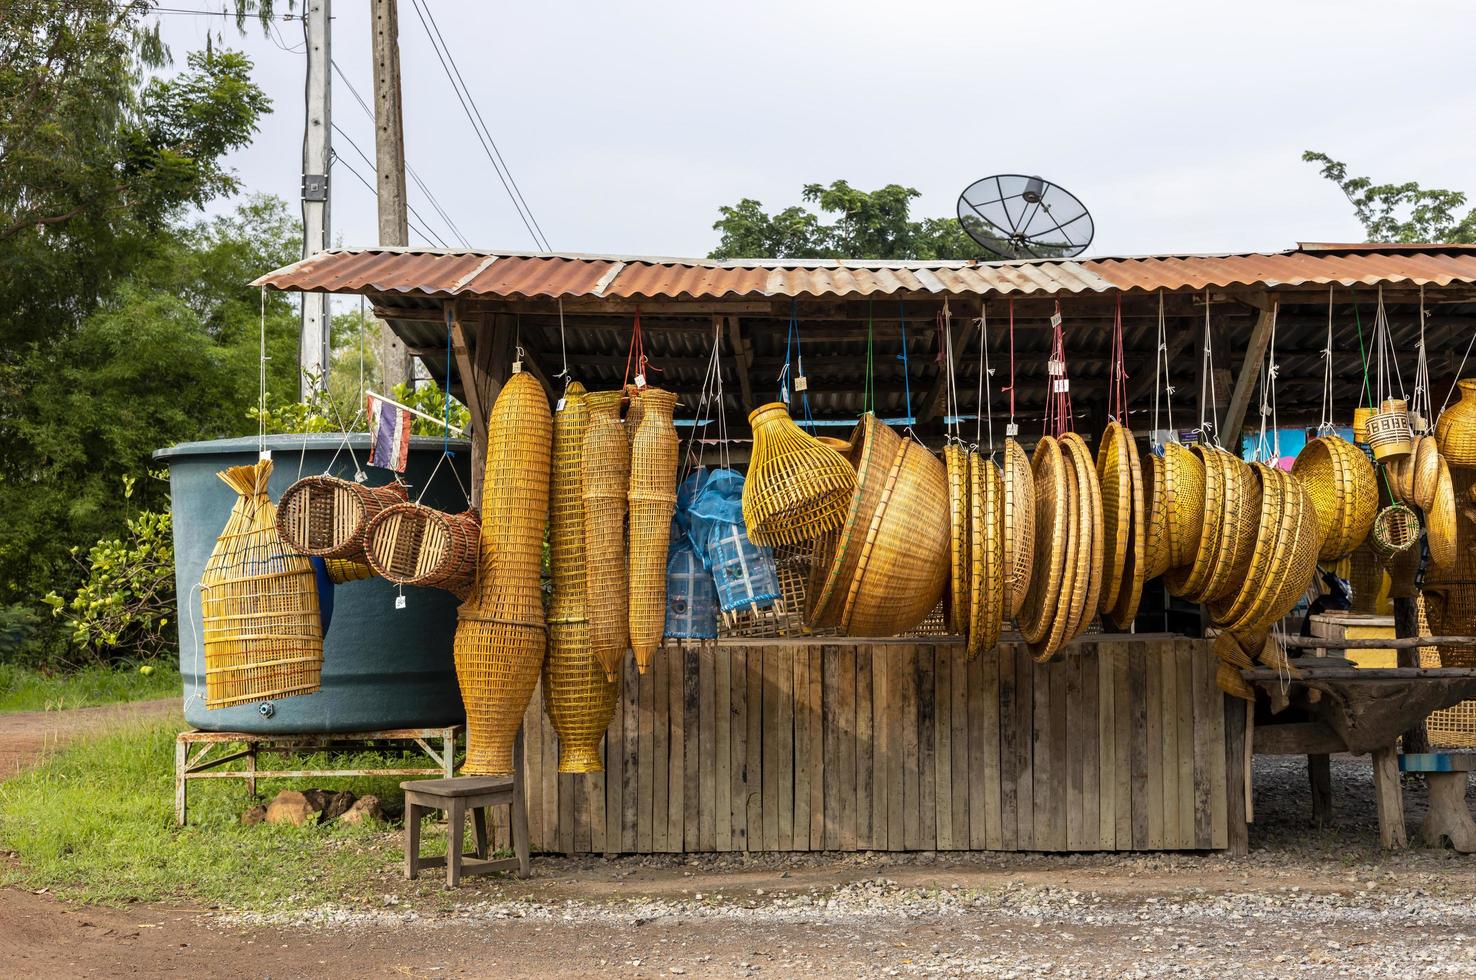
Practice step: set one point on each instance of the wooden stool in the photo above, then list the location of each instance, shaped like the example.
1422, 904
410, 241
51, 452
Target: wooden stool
1449, 817
456, 796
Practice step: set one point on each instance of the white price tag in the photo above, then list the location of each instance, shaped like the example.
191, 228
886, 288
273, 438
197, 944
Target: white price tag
640, 381
801, 382
1062, 386
399, 602
1011, 429
560, 406
361, 477
517, 367
1056, 368
266, 456
1055, 319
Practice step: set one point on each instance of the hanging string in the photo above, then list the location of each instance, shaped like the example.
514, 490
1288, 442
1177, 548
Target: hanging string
906, 370
985, 374
637, 354
261, 400
1325, 425
446, 425
1163, 390
1366, 395
563, 348
1059, 418
952, 421
1013, 429
361, 349
1269, 450
1387, 372
1117, 381
1209, 427
1420, 400
868, 399
712, 387
795, 378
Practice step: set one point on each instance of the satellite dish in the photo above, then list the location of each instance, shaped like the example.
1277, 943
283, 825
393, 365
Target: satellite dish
1020, 217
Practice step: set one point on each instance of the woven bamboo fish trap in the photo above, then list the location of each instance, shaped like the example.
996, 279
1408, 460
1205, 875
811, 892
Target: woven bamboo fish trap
1052, 505
579, 698
960, 510
1344, 491
260, 620
606, 500
1123, 608
1018, 531
500, 636
1283, 561
1441, 529
797, 488
1425, 468
566, 507
1155, 536
1396, 530
1090, 552
1455, 430
635, 410
341, 570
328, 517
986, 540
411, 544
653, 471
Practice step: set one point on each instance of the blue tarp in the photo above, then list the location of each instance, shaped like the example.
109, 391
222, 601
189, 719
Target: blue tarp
691, 596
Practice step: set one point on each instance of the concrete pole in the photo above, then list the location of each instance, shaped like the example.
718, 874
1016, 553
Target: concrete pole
389, 153
317, 150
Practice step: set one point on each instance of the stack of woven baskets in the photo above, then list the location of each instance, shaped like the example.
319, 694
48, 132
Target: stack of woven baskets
1450, 526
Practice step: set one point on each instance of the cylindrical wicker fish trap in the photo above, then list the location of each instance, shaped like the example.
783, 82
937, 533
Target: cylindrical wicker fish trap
606, 486
260, 621
566, 506
653, 470
328, 517
500, 636
411, 544
797, 488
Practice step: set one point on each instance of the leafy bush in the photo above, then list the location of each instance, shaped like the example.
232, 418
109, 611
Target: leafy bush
123, 608
321, 413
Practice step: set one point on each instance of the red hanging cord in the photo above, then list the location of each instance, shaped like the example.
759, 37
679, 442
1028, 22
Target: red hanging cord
1058, 399
1117, 388
637, 353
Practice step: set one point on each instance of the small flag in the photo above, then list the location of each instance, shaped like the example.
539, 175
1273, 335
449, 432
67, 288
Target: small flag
389, 428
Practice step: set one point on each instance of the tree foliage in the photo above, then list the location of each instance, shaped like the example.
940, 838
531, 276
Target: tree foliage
1403, 212
867, 225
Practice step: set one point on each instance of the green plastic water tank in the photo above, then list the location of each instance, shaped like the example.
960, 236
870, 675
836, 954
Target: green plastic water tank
382, 667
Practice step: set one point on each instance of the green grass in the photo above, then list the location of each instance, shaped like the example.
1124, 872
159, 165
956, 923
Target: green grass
95, 823
27, 690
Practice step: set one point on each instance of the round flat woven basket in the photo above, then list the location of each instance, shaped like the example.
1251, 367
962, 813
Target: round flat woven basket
1052, 501
1018, 527
1188, 580
1441, 530
1124, 609
986, 535
328, 517
1425, 466
1344, 491
1075, 549
873, 446
1285, 557
956, 461
1184, 494
797, 487
1396, 529
1155, 555
1238, 530
1088, 582
1117, 508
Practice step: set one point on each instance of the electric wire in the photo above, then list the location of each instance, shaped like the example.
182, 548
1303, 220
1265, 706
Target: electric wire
414, 226
430, 235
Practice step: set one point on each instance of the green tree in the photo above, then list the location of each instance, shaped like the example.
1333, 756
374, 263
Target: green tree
1403, 212
868, 225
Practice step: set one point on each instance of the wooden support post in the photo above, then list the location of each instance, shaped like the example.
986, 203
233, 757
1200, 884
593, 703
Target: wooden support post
181, 785
1449, 816
744, 354
1319, 775
1245, 383
1407, 623
1389, 798
1237, 785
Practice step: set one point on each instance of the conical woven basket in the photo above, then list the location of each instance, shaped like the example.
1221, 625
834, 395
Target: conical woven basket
1425, 466
1341, 483
328, 517
1155, 535
1124, 609
1088, 580
341, 570
411, 544
1456, 428
986, 538
653, 471
1116, 480
960, 508
606, 490
1052, 529
1441, 530
500, 634
1018, 532
1284, 560
260, 621
1396, 530
1185, 500
579, 698
797, 488
1242, 521
1191, 581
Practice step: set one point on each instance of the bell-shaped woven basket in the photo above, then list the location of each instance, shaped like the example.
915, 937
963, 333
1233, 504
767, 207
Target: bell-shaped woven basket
1018, 527
653, 472
960, 508
411, 544
260, 622
328, 517
606, 499
1456, 428
797, 488
1341, 483
500, 634
986, 538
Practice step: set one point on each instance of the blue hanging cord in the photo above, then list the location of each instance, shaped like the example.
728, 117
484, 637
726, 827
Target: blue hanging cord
906, 380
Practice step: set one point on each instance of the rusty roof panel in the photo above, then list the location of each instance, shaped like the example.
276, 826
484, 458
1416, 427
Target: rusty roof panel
436, 273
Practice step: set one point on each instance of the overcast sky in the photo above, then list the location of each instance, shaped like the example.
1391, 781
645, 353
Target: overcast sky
1180, 125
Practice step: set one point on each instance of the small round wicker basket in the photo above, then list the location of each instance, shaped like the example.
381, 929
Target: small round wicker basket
1396, 529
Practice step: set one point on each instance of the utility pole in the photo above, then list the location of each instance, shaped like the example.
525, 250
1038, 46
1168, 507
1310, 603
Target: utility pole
317, 159
389, 154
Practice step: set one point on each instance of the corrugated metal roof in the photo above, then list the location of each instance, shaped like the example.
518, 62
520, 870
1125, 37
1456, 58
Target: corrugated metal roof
447, 273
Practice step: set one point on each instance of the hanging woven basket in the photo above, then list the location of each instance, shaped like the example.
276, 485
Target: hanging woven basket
1456, 428
1123, 608
1018, 530
1441, 531
260, 621
1361, 415
566, 506
960, 509
987, 571
606, 456
1155, 535
797, 487
411, 544
1389, 434
328, 517
1425, 470
1053, 521
500, 635
1185, 502
1090, 549
653, 472
1284, 559
1396, 529
1342, 486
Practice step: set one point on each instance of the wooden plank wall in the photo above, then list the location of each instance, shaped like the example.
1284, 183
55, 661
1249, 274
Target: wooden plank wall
1119, 744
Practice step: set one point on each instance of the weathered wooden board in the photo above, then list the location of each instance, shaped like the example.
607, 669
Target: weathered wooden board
1121, 743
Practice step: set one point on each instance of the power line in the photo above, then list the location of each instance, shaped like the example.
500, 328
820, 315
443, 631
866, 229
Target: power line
479, 125
424, 189
363, 156
424, 233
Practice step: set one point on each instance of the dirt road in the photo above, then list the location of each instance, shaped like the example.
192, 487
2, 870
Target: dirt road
1288, 909
25, 735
